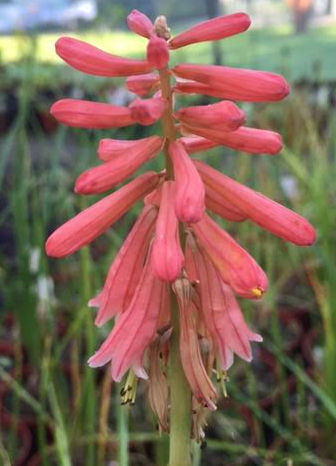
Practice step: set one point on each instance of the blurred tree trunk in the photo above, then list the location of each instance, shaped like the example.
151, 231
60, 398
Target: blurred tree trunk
212, 9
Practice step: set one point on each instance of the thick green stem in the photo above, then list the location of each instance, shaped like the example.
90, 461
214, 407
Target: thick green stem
180, 400
180, 394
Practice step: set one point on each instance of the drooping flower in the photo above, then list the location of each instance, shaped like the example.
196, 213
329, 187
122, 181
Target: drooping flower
174, 251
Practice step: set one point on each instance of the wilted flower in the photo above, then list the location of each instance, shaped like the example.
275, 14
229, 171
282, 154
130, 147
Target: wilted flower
175, 252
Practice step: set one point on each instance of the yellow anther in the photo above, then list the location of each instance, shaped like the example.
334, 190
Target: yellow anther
128, 393
257, 293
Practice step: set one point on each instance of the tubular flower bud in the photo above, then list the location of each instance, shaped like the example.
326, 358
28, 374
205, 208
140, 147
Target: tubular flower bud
157, 52
84, 114
167, 253
126, 269
263, 211
251, 140
226, 115
235, 83
91, 60
109, 149
194, 144
140, 24
142, 84
93, 221
213, 29
189, 196
236, 267
215, 202
134, 330
105, 176
148, 111
191, 358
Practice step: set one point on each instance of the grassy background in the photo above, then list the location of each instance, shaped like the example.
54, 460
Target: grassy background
281, 409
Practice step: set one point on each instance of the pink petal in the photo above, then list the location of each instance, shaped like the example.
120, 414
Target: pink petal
126, 269
134, 329
93, 221
105, 176
91, 60
167, 253
213, 29
191, 358
85, 114
142, 84
140, 24
215, 202
226, 115
157, 52
148, 111
193, 144
235, 83
236, 267
251, 140
210, 300
189, 196
268, 214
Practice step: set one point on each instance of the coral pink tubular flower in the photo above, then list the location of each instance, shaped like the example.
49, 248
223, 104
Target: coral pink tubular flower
140, 24
93, 221
250, 140
124, 274
191, 358
220, 206
167, 255
237, 84
142, 84
236, 267
222, 314
134, 329
213, 29
157, 52
85, 114
263, 211
209, 302
100, 179
189, 196
108, 149
194, 144
226, 115
147, 111
91, 60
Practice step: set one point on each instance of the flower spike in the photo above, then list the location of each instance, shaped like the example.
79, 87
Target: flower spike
213, 29
91, 60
